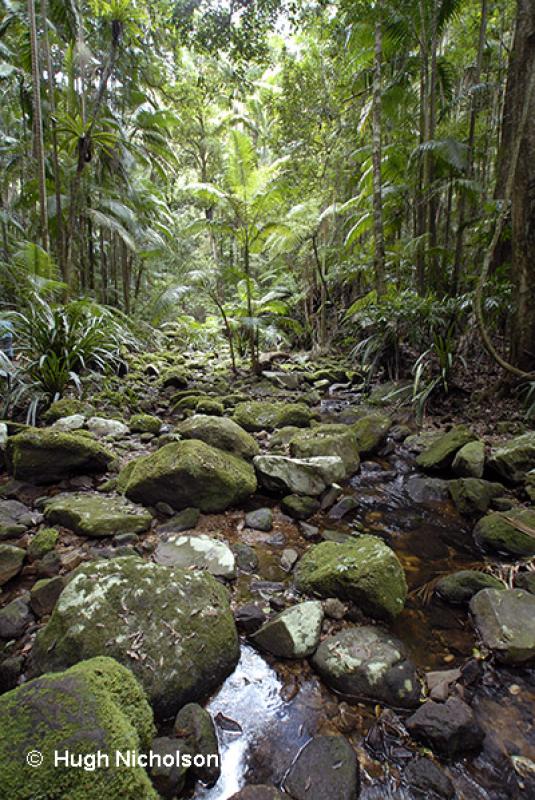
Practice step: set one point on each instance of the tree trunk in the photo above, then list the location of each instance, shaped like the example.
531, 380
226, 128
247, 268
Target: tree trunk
38, 125
379, 241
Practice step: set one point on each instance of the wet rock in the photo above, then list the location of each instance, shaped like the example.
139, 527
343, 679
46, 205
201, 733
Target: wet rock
367, 663
294, 633
526, 581
426, 490
200, 552
343, 507
440, 682
288, 559
299, 507
101, 427
505, 621
10, 672
220, 432
11, 559
195, 727
66, 424
449, 728
191, 473
261, 415
96, 515
249, 618
14, 619
168, 778
514, 458
299, 476
260, 520
308, 531
460, 587
258, 793
427, 781
98, 706
185, 520
328, 440
371, 431
440, 454
499, 532
44, 595
145, 423
365, 571
326, 768
42, 543
470, 460
473, 495
47, 456
246, 558
173, 628
330, 496
50, 565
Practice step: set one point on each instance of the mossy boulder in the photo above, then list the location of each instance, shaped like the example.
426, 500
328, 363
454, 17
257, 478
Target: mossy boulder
66, 407
459, 587
503, 533
145, 423
177, 378
11, 560
470, 460
92, 514
96, 705
506, 623
42, 543
513, 459
365, 571
46, 456
299, 507
210, 407
260, 415
223, 433
191, 473
440, 454
328, 440
172, 627
371, 431
473, 495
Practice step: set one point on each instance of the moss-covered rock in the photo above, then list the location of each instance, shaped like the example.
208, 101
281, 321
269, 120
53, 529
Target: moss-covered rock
145, 423
306, 476
371, 431
440, 454
11, 560
260, 415
328, 440
499, 532
210, 407
67, 407
96, 705
364, 571
222, 433
294, 633
46, 456
173, 628
43, 542
175, 377
470, 460
473, 495
460, 587
191, 473
299, 507
92, 514
506, 623
514, 458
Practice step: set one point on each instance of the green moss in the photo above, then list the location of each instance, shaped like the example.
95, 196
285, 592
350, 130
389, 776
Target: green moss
145, 423
47, 456
43, 542
371, 431
174, 377
67, 407
259, 415
328, 440
496, 533
440, 454
210, 407
222, 433
93, 514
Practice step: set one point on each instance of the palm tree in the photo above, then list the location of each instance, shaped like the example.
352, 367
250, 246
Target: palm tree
38, 124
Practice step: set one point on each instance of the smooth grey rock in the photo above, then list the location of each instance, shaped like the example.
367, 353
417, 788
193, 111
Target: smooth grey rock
294, 633
506, 623
260, 520
201, 552
66, 424
310, 476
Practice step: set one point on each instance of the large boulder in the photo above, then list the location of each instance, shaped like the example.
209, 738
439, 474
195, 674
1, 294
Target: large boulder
473, 495
220, 432
441, 452
326, 768
503, 533
92, 514
514, 458
460, 587
191, 473
449, 728
294, 633
197, 552
260, 415
506, 623
370, 432
173, 628
95, 706
327, 440
306, 476
47, 456
370, 664
365, 571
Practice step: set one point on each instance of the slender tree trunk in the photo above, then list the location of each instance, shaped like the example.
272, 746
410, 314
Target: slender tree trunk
251, 330
379, 241
38, 125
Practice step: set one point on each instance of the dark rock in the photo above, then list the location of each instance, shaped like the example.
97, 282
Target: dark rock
506, 623
326, 768
427, 781
461, 586
14, 619
308, 531
195, 727
450, 728
11, 559
246, 558
185, 520
473, 495
249, 618
10, 672
49, 565
44, 595
260, 520
258, 793
168, 780
526, 580
343, 507
299, 507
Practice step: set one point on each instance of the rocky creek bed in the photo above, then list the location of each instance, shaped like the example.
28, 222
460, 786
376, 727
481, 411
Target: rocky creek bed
278, 568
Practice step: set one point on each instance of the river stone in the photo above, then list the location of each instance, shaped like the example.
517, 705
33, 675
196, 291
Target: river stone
15, 518
449, 728
294, 633
97, 515
514, 458
328, 440
145, 423
298, 507
460, 587
494, 532
67, 424
96, 705
194, 726
14, 619
101, 426
184, 520
427, 781
191, 473
506, 623
364, 570
44, 595
470, 460
309, 476
47, 456
260, 792
326, 768
440, 454
422, 489
368, 663
371, 431
473, 495
172, 627
260, 520
259, 415
11, 559
200, 552
220, 432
